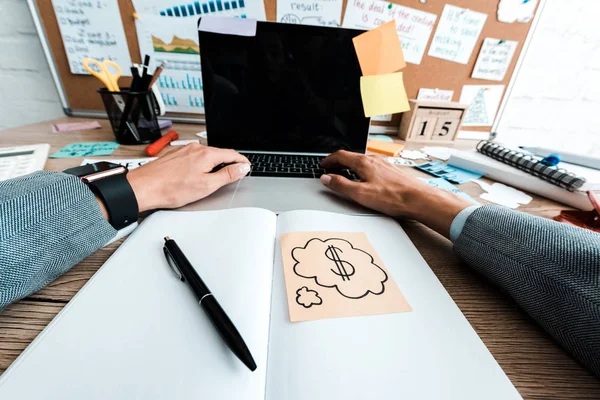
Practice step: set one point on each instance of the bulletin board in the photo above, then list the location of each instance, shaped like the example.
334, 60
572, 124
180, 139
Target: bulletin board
78, 92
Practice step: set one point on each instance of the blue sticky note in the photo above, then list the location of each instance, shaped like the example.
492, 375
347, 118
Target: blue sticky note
383, 138
445, 185
452, 174
86, 149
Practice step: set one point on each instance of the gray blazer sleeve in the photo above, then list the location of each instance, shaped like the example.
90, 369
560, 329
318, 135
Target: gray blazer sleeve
49, 221
551, 269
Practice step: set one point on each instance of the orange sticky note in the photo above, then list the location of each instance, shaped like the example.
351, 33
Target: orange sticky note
387, 148
379, 50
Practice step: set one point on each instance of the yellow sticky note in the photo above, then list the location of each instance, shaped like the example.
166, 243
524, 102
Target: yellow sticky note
379, 50
383, 94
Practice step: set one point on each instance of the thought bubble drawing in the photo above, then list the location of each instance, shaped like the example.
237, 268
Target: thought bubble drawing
308, 298
335, 263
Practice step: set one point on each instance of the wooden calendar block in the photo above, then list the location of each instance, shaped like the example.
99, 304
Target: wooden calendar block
431, 121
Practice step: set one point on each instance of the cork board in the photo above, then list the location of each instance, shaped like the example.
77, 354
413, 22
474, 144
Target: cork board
431, 73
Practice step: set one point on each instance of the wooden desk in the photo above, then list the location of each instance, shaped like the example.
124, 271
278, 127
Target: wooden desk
535, 364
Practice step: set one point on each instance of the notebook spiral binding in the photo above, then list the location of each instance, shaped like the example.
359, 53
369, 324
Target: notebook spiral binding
525, 162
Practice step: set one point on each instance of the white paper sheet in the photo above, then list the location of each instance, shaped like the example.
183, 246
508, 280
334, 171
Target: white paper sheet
456, 34
441, 96
176, 42
510, 11
429, 353
484, 102
310, 12
242, 8
494, 59
92, 29
414, 26
134, 331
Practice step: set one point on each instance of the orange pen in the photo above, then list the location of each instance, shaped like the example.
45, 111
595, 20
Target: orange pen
155, 148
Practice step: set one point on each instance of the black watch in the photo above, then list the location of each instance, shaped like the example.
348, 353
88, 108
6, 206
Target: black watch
109, 182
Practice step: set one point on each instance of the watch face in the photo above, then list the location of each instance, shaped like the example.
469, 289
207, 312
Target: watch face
89, 169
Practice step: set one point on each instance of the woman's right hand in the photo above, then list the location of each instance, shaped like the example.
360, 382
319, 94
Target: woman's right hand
387, 189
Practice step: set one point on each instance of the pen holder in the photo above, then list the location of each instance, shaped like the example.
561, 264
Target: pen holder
132, 115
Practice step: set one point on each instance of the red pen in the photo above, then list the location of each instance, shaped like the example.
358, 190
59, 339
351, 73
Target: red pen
155, 148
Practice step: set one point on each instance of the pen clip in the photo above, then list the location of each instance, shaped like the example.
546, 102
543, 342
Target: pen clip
172, 264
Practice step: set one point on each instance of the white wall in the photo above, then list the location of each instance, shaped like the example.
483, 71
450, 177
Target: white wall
556, 98
27, 92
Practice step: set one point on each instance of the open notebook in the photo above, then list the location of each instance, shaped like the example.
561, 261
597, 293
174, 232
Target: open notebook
135, 332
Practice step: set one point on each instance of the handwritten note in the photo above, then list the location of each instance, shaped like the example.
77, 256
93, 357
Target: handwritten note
379, 50
484, 102
442, 96
92, 29
494, 59
383, 94
414, 27
86, 149
310, 12
336, 274
457, 34
510, 11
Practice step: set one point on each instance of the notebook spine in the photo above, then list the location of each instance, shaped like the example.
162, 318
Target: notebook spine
525, 162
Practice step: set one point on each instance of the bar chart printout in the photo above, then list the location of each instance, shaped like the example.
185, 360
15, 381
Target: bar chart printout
204, 8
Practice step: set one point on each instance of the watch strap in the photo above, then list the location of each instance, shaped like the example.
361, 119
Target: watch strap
119, 199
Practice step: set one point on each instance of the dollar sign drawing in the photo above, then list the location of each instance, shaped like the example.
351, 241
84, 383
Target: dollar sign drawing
342, 270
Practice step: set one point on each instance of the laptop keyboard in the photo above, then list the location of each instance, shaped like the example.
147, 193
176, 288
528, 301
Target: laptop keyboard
292, 166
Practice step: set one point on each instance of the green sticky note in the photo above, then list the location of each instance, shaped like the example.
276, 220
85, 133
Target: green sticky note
86, 149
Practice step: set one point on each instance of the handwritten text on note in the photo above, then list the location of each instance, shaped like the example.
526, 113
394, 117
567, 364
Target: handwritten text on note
92, 29
494, 58
310, 12
414, 27
457, 34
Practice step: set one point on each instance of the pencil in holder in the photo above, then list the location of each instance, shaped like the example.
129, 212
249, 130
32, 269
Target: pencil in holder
132, 115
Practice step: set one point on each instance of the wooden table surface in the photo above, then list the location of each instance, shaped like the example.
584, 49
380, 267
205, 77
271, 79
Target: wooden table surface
535, 364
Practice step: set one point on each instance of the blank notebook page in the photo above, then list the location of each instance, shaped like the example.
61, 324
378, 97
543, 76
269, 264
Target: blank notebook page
429, 353
136, 332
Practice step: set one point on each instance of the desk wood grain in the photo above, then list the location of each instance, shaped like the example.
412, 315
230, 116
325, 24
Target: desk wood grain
537, 366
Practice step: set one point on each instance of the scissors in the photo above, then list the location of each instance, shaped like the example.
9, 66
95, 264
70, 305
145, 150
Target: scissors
109, 78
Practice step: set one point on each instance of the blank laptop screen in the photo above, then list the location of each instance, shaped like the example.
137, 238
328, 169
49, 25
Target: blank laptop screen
290, 88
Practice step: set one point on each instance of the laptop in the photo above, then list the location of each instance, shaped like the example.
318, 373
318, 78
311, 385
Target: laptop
285, 98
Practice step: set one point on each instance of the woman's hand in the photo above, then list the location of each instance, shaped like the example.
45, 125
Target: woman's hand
387, 189
183, 176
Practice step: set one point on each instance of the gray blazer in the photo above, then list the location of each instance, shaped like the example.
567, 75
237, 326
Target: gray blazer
51, 221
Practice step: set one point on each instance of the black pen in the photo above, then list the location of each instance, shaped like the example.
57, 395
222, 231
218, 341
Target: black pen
186, 273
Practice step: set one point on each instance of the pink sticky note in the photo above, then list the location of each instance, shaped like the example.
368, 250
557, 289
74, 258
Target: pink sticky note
75, 126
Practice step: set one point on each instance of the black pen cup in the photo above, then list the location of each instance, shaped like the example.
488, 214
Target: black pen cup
133, 115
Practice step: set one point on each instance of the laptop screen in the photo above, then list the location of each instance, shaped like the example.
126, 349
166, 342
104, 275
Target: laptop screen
290, 88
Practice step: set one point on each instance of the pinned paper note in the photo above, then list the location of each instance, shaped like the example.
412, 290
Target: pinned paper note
483, 104
441, 96
228, 26
379, 50
310, 12
92, 29
75, 126
383, 94
510, 11
86, 149
447, 186
457, 34
336, 274
494, 59
413, 26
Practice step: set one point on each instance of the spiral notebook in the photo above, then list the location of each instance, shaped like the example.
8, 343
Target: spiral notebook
525, 162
